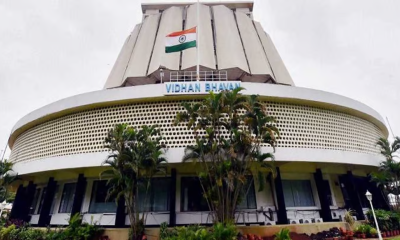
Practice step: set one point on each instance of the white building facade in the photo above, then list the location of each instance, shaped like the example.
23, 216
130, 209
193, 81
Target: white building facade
325, 153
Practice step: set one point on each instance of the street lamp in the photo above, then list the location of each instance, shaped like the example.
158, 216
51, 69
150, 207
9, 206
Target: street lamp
369, 197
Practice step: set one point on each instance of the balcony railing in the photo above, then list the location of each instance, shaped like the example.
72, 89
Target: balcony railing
191, 76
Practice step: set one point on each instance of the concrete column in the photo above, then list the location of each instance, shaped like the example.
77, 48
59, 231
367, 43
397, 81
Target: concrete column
18, 203
29, 195
355, 198
323, 196
120, 215
281, 212
172, 194
44, 218
79, 195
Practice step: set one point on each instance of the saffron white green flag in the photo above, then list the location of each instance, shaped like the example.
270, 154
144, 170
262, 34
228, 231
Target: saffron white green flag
178, 41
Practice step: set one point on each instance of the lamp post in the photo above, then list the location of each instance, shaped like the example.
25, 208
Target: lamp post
369, 197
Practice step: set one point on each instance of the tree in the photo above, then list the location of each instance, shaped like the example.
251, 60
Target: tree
388, 175
230, 132
135, 157
7, 176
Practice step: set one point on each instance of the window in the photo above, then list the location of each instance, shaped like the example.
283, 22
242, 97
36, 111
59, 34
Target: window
249, 196
98, 203
192, 195
35, 201
54, 200
328, 192
67, 198
298, 193
158, 196
41, 200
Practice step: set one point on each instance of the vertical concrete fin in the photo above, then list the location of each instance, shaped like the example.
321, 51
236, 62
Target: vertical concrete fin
207, 59
141, 54
282, 75
171, 21
116, 77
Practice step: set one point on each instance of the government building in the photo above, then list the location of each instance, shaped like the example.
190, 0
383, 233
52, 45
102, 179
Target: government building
324, 156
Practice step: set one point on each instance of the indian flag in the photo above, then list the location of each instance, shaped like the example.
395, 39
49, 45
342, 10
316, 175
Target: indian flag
178, 41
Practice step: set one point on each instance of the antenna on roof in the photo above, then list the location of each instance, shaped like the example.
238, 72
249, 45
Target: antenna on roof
390, 127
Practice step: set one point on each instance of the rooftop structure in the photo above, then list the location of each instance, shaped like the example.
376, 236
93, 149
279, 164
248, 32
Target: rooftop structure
229, 39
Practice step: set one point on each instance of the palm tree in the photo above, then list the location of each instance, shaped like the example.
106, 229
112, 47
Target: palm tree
229, 131
388, 175
388, 150
135, 157
7, 176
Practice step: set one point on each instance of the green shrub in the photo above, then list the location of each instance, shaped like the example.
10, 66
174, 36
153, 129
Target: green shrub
224, 231
76, 230
283, 234
5, 232
219, 231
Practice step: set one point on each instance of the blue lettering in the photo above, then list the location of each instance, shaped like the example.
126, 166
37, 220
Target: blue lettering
226, 86
190, 89
221, 87
197, 87
214, 87
237, 85
230, 87
168, 86
183, 87
207, 87
177, 87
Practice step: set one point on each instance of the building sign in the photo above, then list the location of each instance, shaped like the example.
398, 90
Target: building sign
176, 88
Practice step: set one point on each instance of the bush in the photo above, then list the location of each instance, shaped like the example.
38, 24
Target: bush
5, 232
76, 230
219, 231
283, 234
373, 232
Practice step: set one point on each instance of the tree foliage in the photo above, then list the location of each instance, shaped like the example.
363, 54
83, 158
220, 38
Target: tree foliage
136, 155
230, 132
388, 175
7, 176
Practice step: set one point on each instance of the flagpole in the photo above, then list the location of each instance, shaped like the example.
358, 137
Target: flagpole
198, 42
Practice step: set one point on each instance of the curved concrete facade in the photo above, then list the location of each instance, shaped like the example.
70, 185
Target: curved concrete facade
86, 119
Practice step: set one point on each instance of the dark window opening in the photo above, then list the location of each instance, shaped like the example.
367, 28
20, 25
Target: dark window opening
192, 199
158, 196
298, 193
99, 202
248, 199
67, 198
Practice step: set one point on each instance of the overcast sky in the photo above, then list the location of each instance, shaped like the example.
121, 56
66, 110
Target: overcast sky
51, 49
